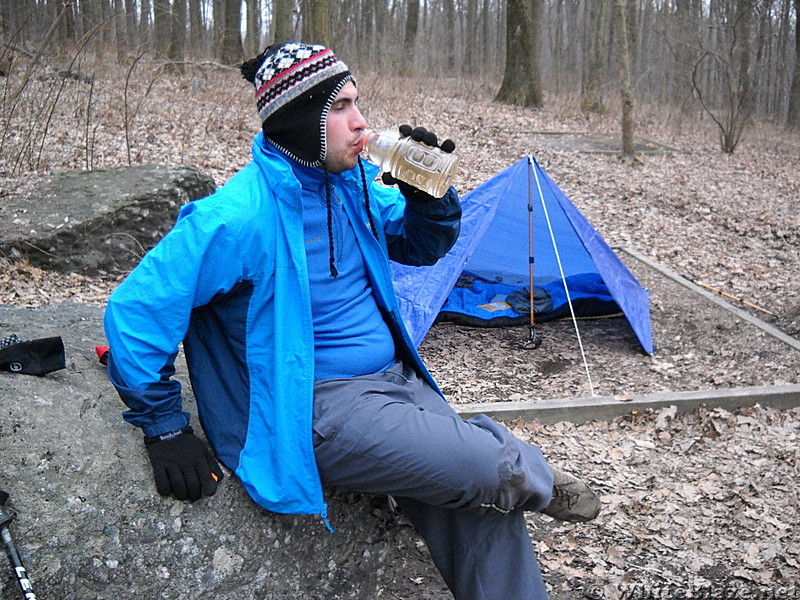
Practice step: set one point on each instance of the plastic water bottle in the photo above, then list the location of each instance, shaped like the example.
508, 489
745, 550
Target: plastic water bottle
427, 168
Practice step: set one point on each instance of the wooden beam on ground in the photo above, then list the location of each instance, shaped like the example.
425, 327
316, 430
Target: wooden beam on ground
601, 408
742, 314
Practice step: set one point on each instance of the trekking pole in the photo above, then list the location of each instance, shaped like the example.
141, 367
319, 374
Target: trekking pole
533, 340
13, 555
727, 295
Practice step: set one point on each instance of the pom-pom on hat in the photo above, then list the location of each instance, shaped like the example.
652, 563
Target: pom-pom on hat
296, 85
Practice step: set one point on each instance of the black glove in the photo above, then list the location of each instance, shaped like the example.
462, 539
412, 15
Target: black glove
418, 134
183, 465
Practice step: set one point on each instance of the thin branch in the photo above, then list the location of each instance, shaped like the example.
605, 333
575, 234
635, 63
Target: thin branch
700, 93
39, 51
85, 40
17, 49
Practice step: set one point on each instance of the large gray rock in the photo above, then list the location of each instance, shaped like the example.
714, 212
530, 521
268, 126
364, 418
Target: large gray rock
97, 221
89, 523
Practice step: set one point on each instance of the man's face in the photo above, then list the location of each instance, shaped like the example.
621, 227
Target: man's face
344, 128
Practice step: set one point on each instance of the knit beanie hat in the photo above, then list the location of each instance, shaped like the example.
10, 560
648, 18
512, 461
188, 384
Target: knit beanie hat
296, 85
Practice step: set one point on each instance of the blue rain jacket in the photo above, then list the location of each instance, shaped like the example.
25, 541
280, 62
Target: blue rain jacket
230, 281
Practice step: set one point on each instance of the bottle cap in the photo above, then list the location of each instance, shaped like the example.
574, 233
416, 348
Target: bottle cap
364, 139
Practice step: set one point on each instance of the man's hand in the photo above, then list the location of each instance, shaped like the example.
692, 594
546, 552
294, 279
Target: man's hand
183, 465
418, 134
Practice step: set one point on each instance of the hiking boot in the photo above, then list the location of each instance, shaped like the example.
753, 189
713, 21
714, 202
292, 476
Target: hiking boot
572, 500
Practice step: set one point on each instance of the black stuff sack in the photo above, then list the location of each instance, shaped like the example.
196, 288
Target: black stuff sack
33, 357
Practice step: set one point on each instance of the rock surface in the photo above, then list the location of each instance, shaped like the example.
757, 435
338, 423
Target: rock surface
97, 221
89, 523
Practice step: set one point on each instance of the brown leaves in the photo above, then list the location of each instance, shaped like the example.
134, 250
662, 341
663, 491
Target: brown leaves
727, 509
27, 286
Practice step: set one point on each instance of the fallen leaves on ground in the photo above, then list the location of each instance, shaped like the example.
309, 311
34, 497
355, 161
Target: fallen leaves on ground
706, 499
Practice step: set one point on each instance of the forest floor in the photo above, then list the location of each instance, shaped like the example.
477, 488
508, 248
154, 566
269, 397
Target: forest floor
693, 502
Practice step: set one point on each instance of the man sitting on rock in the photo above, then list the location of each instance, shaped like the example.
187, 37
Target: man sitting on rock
279, 287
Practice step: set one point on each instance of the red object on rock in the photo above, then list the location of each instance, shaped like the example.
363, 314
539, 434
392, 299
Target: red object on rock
102, 354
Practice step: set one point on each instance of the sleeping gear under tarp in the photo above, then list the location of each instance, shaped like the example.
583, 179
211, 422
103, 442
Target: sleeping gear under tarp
485, 304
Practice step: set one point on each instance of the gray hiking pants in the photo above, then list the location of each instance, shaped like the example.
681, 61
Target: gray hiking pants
463, 484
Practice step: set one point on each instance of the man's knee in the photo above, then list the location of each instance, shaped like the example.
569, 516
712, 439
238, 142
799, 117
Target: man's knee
512, 474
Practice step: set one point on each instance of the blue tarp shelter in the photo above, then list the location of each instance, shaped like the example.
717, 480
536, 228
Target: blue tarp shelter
494, 247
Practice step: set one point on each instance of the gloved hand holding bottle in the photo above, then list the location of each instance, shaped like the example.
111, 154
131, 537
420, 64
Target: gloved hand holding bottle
414, 160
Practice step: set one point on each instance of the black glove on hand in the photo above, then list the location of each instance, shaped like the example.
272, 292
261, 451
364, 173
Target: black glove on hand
183, 465
418, 134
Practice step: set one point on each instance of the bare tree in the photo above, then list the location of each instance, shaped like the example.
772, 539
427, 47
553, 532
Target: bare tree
231, 51
196, 28
732, 107
177, 50
131, 33
252, 38
162, 22
449, 49
597, 51
793, 120
145, 21
119, 27
669, 40
283, 20
628, 147
471, 48
521, 79
410, 37
487, 33
317, 22
684, 32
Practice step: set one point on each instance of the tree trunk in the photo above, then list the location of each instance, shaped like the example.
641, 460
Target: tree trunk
131, 32
177, 49
474, 40
14, 15
197, 29
685, 25
793, 120
488, 39
628, 148
317, 22
231, 51
68, 27
145, 31
368, 48
521, 79
449, 49
120, 28
597, 39
253, 39
103, 36
410, 38
384, 23
632, 27
283, 20
745, 92
162, 24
